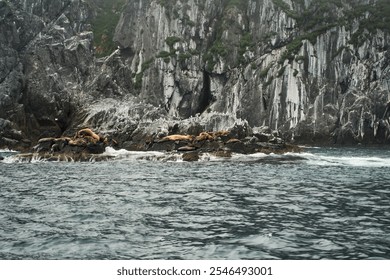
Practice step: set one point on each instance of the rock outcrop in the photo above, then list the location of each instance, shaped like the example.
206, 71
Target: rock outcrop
306, 71
316, 71
85, 145
46, 54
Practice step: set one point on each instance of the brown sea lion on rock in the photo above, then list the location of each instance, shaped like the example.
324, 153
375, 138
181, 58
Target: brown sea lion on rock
186, 148
204, 136
90, 139
177, 137
234, 140
221, 133
62, 139
78, 142
87, 132
43, 140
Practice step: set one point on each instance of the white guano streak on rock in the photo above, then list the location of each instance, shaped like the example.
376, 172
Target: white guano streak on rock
293, 98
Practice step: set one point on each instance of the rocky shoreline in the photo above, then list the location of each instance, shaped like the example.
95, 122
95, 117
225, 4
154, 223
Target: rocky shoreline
86, 145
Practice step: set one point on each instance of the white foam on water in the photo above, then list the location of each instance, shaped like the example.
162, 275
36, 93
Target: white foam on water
307, 157
134, 155
250, 157
308, 147
15, 159
9, 160
324, 160
8, 151
8, 155
211, 157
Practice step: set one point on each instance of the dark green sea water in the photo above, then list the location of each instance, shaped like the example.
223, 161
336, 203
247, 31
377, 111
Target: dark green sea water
322, 204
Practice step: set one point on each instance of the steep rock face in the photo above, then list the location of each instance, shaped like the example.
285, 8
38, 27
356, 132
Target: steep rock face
45, 52
313, 70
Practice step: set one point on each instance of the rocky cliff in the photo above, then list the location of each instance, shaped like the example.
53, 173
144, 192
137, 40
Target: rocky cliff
45, 55
314, 71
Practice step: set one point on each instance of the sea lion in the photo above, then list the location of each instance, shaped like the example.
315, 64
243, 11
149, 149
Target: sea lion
186, 149
43, 140
221, 133
1, 158
78, 142
87, 132
177, 137
233, 140
62, 139
90, 139
204, 136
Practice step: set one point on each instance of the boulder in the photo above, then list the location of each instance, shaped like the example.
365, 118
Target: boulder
191, 156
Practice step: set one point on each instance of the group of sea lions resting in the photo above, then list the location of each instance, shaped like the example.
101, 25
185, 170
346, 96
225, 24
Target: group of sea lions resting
83, 146
84, 138
86, 145
201, 137
220, 143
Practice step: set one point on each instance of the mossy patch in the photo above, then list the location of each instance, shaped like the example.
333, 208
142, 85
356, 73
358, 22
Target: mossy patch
139, 76
104, 24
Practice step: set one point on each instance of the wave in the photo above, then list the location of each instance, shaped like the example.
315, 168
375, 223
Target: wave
175, 156
15, 159
134, 155
308, 157
7, 155
8, 151
358, 161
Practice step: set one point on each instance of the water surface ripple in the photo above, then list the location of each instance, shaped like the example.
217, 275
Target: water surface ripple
323, 204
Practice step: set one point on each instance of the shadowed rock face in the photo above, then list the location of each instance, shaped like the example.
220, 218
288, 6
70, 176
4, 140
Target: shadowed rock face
46, 55
309, 71
314, 71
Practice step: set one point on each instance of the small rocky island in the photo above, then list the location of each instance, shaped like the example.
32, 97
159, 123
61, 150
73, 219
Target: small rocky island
87, 145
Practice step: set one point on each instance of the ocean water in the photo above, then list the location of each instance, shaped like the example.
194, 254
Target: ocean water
325, 203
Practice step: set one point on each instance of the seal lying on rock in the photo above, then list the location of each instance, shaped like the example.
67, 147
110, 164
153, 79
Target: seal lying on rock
87, 132
204, 136
177, 137
221, 144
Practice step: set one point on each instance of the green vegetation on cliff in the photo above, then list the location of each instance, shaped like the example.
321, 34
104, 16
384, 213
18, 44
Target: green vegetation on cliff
241, 4
140, 75
322, 15
104, 24
217, 50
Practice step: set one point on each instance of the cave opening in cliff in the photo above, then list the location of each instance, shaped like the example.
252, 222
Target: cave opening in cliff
206, 97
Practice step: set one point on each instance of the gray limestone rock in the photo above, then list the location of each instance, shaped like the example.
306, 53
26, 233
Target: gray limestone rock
310, 73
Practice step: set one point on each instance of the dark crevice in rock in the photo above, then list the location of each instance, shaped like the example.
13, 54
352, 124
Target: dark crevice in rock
265, 104
206, 98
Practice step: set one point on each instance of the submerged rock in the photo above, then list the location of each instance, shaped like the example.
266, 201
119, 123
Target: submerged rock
191, 156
